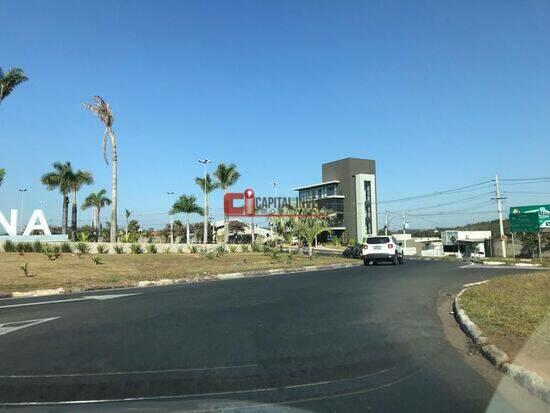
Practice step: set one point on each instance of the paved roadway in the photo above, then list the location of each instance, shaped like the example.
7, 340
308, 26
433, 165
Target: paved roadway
358, 339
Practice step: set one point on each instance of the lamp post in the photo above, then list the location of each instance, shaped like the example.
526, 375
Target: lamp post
22, 192
171, 194
205, 162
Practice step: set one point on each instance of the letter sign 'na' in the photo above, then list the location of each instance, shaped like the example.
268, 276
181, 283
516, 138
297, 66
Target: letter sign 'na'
41, 225
10, 227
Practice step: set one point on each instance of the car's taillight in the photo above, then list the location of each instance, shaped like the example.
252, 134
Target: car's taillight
390, 246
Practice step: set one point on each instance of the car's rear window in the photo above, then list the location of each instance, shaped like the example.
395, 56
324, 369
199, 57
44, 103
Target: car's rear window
378, 240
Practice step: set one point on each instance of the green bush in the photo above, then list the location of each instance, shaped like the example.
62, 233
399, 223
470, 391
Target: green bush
23, 247
119, 249
193, 249
96, 259
25, 269
83, 236
352, 241
82, 247
266, 249
52, 252
220, 250
255, 247
37, 246
275, 255
9, 246
210, 254
203, 250
289, 258
102, 249
245, 248
233, 249
66, 247
135, 248
152, 249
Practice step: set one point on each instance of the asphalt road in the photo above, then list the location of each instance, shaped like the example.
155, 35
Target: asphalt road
358, 339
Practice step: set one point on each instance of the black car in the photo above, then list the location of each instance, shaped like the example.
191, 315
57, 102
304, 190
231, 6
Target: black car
352, 251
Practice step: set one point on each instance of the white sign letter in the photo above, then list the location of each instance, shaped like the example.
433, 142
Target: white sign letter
10, 227
41, 225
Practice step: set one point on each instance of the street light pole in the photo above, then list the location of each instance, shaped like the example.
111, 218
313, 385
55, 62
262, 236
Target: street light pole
205, 162
170, 194
22, 192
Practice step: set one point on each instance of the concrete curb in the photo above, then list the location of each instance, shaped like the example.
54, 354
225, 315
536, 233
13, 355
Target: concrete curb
527, 379
172, 281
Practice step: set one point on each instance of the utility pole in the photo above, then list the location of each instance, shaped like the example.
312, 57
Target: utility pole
501, 223
171, 195
386, 224
205, 162
22, 192
404, 222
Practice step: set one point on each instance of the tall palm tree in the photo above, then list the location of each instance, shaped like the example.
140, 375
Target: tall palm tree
2, 175
187, 204
60, 178
102, 110
77, 180
9, 80
226, 175
207, 186
96, 200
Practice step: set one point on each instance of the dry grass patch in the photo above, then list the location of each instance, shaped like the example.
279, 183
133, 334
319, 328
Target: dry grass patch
511, 310
74, 272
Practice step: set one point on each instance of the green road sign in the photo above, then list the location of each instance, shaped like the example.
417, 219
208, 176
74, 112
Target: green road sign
530, 218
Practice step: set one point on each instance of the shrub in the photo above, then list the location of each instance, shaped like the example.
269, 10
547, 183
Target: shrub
96, 259
233, 249
210, 254
135, 248
37, 246
51, 252
352, 241
255, 247
289, 258
275, 255
266, 249
9, 246
152, 249
25, 269
82, 247
119, 249
220, 250
245, 248
179, 250
83, 236
203, 250
102, 249
66, 247
193, 249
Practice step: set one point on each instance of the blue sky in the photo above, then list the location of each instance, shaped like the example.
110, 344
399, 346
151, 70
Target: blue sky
440, 94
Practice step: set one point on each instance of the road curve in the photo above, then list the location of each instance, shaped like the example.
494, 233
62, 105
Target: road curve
356, 339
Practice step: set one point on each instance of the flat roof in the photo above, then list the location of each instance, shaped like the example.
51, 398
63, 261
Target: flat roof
316, 185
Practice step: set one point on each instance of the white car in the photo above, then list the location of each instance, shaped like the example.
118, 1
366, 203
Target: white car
382, 248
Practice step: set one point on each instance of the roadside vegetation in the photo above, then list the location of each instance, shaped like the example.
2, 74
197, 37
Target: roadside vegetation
80, 271
511, 310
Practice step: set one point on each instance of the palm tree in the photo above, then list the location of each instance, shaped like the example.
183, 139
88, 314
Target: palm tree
77, 180
285, 225
102, 110
60, 178
311, 223
207, 186
9, 80
127, 212
187, 204
2, 175
96, 200
226, 175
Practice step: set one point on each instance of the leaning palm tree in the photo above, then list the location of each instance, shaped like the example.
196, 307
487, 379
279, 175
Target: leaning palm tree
226, 176
9, 80
207, 186
96, 200
311, 223
60, 178
102, 110
187, 204
77, 180
2, 175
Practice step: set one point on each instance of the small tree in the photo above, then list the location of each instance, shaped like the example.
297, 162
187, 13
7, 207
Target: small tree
187, 204
312, 223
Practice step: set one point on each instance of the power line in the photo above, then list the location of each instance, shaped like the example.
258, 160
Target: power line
438, 193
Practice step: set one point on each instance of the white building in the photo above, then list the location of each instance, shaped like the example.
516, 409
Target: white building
465, 243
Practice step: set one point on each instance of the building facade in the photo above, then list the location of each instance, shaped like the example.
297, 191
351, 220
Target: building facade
348, 189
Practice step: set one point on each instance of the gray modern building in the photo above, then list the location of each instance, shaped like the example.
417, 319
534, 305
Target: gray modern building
348, 189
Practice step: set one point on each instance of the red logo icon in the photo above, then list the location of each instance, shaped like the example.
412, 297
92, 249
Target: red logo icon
247, 209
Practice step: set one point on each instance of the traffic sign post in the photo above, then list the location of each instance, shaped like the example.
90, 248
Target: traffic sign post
530, 219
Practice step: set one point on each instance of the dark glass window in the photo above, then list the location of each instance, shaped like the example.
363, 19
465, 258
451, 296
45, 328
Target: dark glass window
368, 207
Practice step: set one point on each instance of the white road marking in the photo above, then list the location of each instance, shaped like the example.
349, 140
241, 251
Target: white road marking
18, 325
122, 373
68, 300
